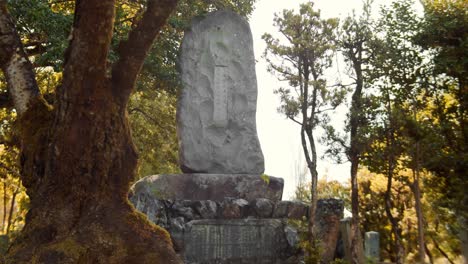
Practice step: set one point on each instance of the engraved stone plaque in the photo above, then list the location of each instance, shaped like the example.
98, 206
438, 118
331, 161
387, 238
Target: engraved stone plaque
216, 109
234, 241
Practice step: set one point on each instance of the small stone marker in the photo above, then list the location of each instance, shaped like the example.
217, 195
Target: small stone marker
372, 247
216, 110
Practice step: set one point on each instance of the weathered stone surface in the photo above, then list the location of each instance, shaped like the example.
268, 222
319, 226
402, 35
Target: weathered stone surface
291, 209
213, 187
328, 215
153, 208
372, 246
206, 209
234, 209
183, 209
178, 214
291, 236
263, 208
216, 109
236, 241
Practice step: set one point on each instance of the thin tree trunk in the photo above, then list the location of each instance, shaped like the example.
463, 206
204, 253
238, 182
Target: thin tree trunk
396, 231
431, 259
357, 255
12, 209
419, 213
4, 206
437, 246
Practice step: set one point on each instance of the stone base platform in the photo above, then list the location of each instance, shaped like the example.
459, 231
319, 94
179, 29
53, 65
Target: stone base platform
227, 219
214, 187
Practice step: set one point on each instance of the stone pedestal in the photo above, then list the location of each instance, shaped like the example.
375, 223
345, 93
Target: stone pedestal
236, 230
214, 187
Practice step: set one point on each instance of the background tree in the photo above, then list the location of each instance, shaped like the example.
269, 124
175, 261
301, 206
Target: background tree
301, 61
445, 34
396, 64
354, 41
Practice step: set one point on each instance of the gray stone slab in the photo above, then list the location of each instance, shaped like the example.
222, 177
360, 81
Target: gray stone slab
216, 110
372, 246
236, 241
215, 187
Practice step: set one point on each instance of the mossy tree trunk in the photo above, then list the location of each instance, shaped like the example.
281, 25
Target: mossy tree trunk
77, 156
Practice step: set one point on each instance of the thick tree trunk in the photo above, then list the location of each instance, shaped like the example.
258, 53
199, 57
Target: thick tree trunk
78, 158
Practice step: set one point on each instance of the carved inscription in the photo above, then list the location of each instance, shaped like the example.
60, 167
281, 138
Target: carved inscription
220, 115
209, 240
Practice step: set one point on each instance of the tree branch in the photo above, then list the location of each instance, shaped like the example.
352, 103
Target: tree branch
86, 56
15, 64
294, 120
133, 51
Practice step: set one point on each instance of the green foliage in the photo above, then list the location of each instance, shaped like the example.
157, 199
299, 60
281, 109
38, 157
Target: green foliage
265, 178
301, 62
325, 189
444, 33
445, 29
44, 28
312, 252
152, 118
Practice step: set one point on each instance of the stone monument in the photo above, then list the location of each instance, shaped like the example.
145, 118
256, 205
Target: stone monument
220, 210
216, 111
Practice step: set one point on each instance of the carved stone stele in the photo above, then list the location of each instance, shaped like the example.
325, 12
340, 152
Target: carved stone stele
216, 110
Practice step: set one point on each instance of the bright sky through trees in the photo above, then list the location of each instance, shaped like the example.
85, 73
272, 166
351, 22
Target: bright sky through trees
279, 137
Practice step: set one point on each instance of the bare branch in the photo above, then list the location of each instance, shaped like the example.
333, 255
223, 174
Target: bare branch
294, 120
133, 51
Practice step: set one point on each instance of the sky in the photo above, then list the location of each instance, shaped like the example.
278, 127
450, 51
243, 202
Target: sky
279, 137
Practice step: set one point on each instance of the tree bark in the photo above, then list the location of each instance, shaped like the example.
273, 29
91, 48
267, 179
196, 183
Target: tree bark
463, 235
391, 163
418, 207
12, 208
309, 154
4, 206
78, 158
355, 150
